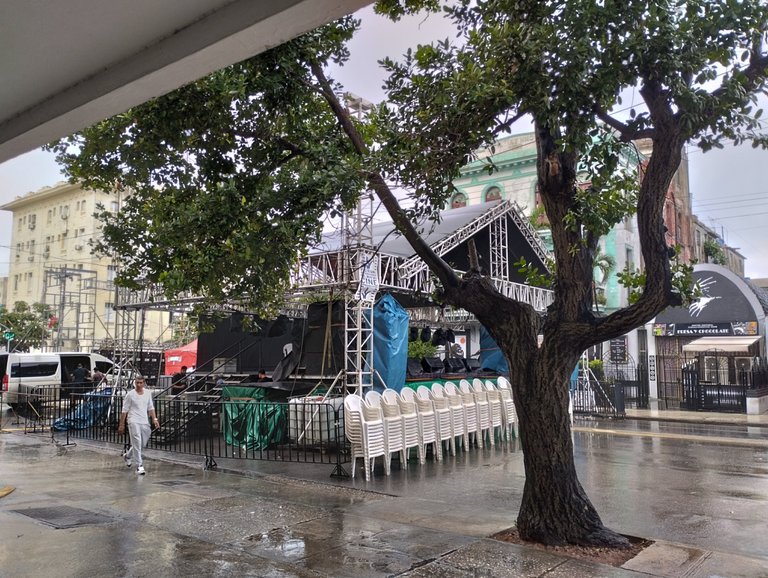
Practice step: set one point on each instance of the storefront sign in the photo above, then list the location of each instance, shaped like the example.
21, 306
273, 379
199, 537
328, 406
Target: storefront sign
704, 329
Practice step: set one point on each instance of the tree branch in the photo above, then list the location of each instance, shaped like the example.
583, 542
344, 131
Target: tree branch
626, 133
440, 268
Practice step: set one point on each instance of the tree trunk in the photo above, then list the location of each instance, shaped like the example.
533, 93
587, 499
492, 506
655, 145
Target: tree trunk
555, 508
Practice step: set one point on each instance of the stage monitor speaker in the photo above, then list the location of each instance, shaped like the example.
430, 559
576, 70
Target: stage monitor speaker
414, 367
454, 365
472, 364
432, 364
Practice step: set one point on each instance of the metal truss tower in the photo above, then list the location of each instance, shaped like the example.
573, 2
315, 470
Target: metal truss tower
362, 276
71, 295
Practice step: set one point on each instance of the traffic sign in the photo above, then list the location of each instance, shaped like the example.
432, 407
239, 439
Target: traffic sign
9, 335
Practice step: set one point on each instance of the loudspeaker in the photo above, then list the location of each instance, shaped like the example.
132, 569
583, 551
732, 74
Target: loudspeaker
426, 334
454, 365
414, 368
438, 337
432, 364
236, 322
413, 335
472, 364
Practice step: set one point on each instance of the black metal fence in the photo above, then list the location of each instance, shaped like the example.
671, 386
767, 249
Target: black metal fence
610, 391
306, 430
709, 381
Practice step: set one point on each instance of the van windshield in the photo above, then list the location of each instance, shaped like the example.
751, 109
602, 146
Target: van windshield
34, 369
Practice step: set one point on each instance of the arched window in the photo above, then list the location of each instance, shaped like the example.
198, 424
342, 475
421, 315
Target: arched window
459, 200
493, 194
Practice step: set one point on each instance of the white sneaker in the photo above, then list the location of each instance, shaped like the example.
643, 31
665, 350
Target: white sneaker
140, 471
127, 459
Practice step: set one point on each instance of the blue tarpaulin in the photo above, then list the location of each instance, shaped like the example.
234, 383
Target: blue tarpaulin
491, 357
91, 411
390, 343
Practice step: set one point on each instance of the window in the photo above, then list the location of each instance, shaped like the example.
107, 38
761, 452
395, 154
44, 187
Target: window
459, 200
34, 369
114, 206
16, 282
82, 207
50, 216
29, 282
109, 312
493, 194
20, 224
111, 272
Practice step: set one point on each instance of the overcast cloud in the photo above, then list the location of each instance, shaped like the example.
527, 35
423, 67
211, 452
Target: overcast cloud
729, 189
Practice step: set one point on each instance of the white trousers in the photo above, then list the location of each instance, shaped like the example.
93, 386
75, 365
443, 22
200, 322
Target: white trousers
139, 434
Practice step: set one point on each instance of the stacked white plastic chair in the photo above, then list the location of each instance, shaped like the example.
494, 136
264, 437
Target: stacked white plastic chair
483, 409
393, 429
365, 431
427, 421
393, 404
470, 409
458, 413
442, 413
494, 404
508, 412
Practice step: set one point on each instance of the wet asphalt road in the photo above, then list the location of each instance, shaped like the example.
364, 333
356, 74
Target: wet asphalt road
690, 483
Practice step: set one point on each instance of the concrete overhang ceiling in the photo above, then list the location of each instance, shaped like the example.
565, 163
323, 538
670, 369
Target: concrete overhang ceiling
65, 64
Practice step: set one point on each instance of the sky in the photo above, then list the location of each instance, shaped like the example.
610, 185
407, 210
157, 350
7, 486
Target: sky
728, 187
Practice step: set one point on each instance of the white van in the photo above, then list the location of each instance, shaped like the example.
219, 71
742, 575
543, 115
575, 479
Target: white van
46, 375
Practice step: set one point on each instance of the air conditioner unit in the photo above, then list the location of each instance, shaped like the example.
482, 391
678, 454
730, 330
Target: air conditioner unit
31, 258
32, 225
78, 247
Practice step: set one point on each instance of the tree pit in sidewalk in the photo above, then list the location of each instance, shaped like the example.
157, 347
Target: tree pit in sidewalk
600, 554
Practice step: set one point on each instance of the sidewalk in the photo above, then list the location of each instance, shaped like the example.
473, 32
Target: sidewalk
284, 520
706, 417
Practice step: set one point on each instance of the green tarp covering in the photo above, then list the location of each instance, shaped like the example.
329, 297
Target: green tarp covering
414, 385
250, 421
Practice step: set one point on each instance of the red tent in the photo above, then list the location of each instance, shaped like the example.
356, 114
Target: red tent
184, 355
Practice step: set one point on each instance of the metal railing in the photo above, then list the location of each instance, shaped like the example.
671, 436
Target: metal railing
302, 430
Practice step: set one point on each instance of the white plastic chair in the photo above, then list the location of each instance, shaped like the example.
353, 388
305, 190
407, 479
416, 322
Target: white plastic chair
391, 404
508, 412
443, 413
427, 421
494, 404
393, 427
483, 409
411, 423
458, 413
365, 432
470, 408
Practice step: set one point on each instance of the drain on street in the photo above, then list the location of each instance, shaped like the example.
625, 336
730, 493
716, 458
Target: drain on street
173, 483
61, 517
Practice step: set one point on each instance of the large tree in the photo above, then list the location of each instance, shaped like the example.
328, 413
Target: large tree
233, 174
29, 324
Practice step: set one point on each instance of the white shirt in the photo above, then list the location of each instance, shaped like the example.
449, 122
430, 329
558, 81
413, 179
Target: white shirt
137, 406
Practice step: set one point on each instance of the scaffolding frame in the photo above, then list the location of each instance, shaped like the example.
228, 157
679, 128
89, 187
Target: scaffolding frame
71, 294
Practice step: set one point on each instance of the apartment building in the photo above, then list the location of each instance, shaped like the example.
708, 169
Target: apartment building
709, 247
51, 262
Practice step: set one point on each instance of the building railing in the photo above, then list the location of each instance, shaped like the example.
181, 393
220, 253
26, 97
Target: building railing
306, 430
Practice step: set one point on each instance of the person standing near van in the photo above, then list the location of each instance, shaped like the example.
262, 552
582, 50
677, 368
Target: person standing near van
137, 405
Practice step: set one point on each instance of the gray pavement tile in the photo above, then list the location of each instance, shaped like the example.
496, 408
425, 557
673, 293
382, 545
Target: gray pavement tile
357, 560
332, 531
491, 558
721, 564
666, 559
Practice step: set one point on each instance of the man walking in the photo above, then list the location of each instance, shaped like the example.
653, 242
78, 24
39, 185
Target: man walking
136, 406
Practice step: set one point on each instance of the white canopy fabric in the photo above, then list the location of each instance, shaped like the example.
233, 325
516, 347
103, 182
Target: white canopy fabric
734, 344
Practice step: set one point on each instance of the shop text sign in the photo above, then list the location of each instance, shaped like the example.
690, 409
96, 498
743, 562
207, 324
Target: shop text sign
705, 329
